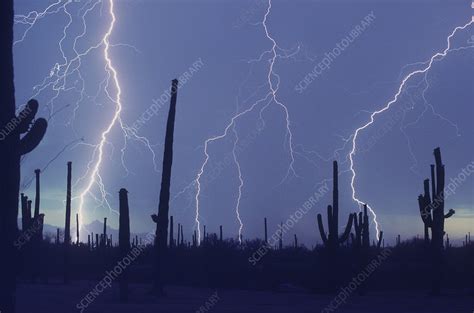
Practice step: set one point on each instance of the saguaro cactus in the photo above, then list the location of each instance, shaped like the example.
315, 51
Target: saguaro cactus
104, 234
179, 233
77, 228
39, 221
332, 240
12, 147
37, 196
432, 208
67, 227
433, 216
124, 240
161, 219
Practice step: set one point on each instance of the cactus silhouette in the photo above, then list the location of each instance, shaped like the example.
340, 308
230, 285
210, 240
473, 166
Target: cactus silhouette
37, 196
161, 219
12, 147
332, 240
77, 228
179, 234
104, 234
433, 216
67, 227
38, 218
124, 240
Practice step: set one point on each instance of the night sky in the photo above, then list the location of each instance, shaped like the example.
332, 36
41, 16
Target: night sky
221, 45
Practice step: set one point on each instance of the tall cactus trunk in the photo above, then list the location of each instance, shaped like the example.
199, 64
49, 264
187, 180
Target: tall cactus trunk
104, 234
10, 165
39, 218
37, 196
77, 228
67, 227
161, 219
37, 227
334, 230
124, 241
179, 229
438, 213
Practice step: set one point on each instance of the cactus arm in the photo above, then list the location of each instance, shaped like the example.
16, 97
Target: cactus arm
321, 229
450, 213
425, 211
27, 115
347, 231
334, 226
33, 137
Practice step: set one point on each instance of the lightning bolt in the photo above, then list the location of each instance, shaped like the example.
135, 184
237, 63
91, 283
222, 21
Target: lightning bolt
271, 96
69, 68
116, 117
387, 106
241, 183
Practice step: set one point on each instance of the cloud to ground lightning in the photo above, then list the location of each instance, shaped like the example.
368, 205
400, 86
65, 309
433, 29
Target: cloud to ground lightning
427, 66
66, 75
272, 83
